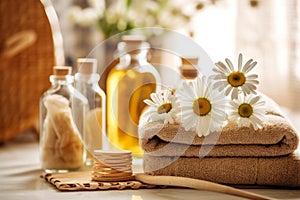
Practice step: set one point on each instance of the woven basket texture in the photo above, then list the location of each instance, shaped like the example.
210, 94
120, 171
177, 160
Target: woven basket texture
25, 75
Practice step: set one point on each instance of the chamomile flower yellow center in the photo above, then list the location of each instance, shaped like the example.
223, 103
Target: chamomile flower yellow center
236, 79
164, 108
201, 106
245, 110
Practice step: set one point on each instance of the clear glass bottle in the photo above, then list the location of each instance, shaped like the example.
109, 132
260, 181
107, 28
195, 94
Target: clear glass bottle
61, 126
86, 81
131, 81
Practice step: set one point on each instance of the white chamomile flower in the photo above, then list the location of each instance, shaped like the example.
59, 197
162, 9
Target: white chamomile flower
247, 110
202, 107
163, 106
233, 80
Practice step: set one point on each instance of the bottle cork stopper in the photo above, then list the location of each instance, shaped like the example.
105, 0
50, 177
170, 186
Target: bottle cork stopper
133, 43
62, 70
87, 65
188, 69
190, 61
133, 38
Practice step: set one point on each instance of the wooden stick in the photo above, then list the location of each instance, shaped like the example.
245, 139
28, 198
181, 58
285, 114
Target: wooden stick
197, 184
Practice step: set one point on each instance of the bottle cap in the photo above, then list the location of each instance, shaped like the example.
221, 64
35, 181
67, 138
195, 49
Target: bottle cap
193, 61
87, 65
188, 69
132, 43
62, 70
133, 38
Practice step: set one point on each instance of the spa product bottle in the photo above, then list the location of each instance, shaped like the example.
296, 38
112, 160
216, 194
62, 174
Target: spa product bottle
86, 81
131, 81
61, 126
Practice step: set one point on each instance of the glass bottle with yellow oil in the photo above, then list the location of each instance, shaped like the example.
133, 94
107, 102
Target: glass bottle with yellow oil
130, 82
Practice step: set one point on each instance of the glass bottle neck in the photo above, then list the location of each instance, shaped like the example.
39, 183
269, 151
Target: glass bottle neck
133, 59
61, 80
87, 78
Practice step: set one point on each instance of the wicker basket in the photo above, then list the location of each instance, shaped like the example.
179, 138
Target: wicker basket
28, 53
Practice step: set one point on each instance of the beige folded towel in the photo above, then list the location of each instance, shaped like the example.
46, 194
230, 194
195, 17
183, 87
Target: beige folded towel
277, 138
236, 155
275, 171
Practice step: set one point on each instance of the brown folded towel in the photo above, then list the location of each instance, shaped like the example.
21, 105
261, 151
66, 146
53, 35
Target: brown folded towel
275, 171
277, 138
236, 155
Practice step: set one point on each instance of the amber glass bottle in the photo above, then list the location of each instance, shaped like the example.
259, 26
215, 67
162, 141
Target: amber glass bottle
131, 81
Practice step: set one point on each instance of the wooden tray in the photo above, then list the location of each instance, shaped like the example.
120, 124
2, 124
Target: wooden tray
81, 180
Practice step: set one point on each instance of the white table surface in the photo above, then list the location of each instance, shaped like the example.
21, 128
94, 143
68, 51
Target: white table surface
20, 179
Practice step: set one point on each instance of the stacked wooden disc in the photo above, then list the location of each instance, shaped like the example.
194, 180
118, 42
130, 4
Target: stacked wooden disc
112, 166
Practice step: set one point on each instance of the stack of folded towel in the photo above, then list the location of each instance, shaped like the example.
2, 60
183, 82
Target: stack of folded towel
237, 155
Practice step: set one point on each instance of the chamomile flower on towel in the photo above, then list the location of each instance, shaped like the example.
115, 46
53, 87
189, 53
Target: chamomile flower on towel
233, 80
163, 106
202, 107
247, 110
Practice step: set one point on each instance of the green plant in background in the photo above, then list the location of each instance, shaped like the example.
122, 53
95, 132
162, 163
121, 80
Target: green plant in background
115, 18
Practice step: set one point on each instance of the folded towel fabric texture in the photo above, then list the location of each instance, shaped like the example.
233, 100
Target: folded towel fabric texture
271, 171
236, 155
277, 138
